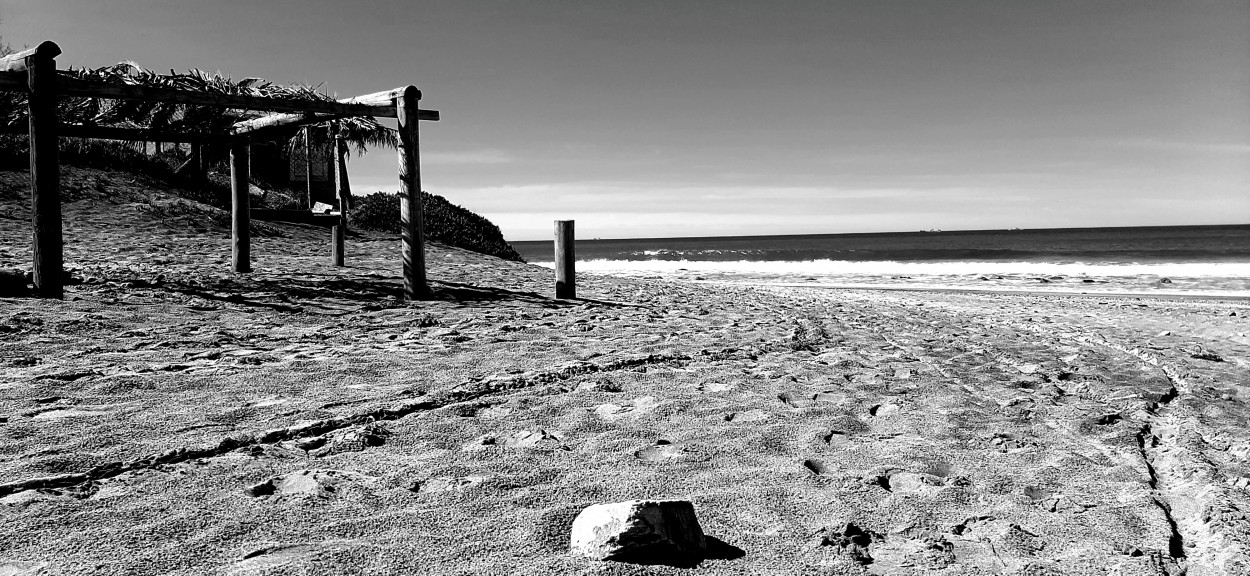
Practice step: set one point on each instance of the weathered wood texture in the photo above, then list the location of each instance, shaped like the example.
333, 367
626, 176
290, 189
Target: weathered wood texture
128, 134
410, 212
342, 184
566, 258
45, 176
288, 120
342, 191
336, 245
308, 166
240, 209
17, 61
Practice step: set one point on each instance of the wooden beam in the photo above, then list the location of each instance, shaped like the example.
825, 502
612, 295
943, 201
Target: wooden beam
240, 208
97, 89
128, 134
384, 98
290, 120
45, 176
411, 214
18, 61
566, 259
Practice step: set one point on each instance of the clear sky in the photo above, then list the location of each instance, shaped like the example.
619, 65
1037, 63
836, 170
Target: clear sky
651, 118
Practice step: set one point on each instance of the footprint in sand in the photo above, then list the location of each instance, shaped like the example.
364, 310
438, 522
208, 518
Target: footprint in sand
58, 413
21, 568
640, 406
755, 415
270, 401
312, 483
915, 483
815, 467
792, 399
278, 557
525, 439
446, 483
716, 387
830, 396
880, 410
665, 451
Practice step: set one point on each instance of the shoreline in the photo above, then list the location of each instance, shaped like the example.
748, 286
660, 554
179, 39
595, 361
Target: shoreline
992, 291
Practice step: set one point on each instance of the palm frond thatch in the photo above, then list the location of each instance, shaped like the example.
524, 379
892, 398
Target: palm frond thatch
360, 132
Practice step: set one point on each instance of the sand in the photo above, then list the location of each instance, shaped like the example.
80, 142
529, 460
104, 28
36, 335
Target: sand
169, 417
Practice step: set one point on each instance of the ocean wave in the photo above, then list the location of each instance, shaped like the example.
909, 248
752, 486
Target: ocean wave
927, 268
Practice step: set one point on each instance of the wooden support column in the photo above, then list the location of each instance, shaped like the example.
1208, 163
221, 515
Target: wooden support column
45, 172
343, 191
566, 276
337, 243
308, 160
410, 211
240, 207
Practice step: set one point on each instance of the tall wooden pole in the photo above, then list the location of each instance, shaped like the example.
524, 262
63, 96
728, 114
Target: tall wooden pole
45, 174
410, 212
308, 160
566, 276
343, 191
240, 207
342, 184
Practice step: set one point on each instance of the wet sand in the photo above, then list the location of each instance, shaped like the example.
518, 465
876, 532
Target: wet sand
171, 417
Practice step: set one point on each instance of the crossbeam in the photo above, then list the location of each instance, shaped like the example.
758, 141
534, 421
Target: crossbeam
16, 62
127, 134
278, 120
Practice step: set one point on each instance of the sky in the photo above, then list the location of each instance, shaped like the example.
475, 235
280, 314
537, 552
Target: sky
649, 118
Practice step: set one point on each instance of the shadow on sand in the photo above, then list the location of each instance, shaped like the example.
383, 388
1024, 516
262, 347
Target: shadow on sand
717, 549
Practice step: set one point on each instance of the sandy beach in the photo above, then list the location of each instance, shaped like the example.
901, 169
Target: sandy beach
169, 417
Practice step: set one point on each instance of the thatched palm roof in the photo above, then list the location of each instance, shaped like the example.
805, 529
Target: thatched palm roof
360, 132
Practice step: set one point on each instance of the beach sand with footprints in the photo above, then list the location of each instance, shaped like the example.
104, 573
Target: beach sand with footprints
169, 417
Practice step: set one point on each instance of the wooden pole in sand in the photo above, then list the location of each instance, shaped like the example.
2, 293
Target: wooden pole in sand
45, 171
241, 208
308, 160
343, 193
566, 277
410, 212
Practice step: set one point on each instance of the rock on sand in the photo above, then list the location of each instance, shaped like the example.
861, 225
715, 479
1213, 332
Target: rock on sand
644, 531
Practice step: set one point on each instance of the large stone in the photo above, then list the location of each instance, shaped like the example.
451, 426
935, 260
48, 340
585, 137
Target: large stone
643, 531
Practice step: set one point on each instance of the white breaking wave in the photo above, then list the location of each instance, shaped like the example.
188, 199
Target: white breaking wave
841, 268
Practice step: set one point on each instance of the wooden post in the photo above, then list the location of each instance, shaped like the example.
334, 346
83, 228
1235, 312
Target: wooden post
45, 173
342, 185
566, 276
411, 215
336, 243
343, 191
308, 160
241, 207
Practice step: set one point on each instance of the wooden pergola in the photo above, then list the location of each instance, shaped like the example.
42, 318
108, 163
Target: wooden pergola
34, 72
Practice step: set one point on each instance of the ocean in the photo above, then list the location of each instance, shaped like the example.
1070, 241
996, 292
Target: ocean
1190, 260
